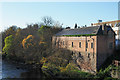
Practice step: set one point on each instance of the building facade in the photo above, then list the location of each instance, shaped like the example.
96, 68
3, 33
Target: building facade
90, 45
116, 28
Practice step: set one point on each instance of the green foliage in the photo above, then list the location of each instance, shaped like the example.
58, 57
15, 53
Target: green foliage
104, 73
50, 69
70, 71
60, 57
58, 61
8, 48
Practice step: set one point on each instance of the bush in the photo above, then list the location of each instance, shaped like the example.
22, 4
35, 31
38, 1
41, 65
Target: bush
104, 73
50, 69
70, 71
8, 48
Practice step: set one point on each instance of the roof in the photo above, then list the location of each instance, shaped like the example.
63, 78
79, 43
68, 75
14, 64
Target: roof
97, 30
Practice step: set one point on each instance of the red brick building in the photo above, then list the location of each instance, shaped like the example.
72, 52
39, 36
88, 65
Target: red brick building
90, 45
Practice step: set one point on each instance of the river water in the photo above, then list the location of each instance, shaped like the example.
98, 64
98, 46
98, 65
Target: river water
14, 70
10, 70
0, 68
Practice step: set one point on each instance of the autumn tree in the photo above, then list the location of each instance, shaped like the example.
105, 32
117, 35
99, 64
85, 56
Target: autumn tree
27, 42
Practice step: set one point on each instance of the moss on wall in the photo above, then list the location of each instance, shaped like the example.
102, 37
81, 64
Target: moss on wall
79, 35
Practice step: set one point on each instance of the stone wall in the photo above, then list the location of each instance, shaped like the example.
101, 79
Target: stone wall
103, 47
84, 57
85, 63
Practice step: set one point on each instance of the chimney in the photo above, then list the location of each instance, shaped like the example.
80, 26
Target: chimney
99, 21
75, 25
91, 24
104, 28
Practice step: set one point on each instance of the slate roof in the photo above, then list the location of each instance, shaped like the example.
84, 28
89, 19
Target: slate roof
81, 31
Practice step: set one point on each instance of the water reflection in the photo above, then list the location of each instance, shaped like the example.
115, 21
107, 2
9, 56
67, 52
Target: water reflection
0, 68
10, 70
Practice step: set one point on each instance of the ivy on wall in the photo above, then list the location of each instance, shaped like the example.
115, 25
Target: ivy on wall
79, 35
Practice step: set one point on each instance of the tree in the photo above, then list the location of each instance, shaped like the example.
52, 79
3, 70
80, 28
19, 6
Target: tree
8, 48
10, 31
57, 24
48, 21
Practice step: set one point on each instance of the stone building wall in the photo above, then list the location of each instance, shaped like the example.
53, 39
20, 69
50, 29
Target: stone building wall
103, 47
84, 57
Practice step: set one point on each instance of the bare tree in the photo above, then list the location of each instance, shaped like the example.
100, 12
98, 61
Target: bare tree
57, 24
47, 20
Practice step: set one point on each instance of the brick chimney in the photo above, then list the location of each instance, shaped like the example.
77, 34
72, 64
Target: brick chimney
104, 29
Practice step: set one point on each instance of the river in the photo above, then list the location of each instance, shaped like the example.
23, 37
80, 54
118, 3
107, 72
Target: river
14, 70
0, 68
10, 70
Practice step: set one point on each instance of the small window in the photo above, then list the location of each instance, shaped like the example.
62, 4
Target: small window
58, 44
93, 55
72, 52
79, 44
110, 45
55, 42
88, 55
63, 42
79, 54
72, 44
86, 45
91, 45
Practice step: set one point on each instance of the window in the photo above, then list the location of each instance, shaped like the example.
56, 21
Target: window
110, 45
58, 44
79, 54
55, 42
93, 55
88, 55
63, 42
72, 52
79, 44
72, 44
86, 45
91, 45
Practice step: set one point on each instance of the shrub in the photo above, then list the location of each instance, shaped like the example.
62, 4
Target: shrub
8, 48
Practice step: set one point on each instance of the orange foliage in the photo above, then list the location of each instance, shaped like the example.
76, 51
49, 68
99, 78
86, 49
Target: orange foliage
27, 41
41, 42
43, 60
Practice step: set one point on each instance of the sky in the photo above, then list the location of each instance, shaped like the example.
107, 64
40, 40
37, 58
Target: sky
68, 13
